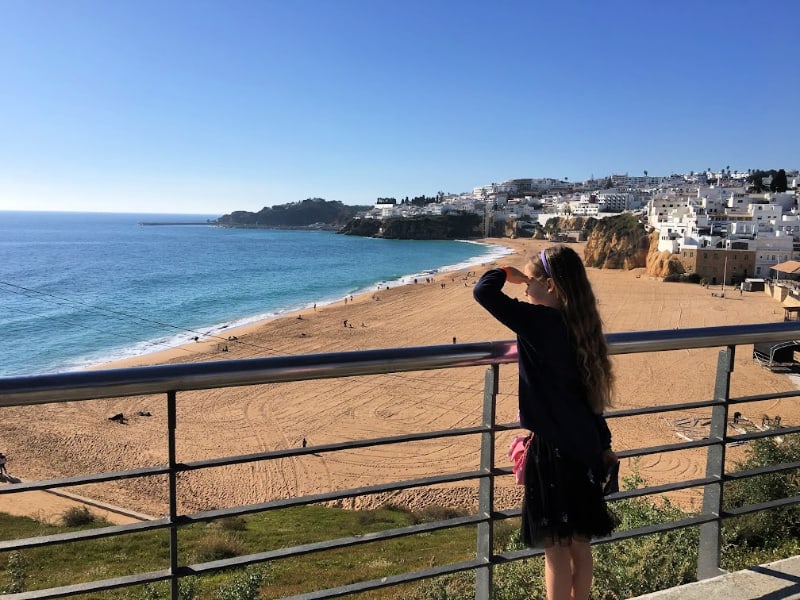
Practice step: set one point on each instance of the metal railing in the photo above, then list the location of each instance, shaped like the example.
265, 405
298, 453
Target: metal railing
172, 379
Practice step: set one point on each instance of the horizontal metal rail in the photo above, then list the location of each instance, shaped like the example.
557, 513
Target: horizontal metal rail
170, 379
110, 383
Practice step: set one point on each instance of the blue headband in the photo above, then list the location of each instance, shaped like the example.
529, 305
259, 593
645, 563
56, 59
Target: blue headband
544, 264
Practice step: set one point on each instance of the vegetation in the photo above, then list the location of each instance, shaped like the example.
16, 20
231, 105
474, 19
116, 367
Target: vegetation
316, 212
362, 227
778, 182
684, 278
622, 569
642, 565
57, 565
16, 573
311, 211
77, 516
428, 227
623, 225
758, 537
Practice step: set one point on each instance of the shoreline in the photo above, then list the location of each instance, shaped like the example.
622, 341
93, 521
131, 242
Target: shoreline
232, 421
222, 332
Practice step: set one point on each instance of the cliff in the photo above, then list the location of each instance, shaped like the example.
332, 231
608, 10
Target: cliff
312, 211
619, 242
435, 227
622, 243
661, 264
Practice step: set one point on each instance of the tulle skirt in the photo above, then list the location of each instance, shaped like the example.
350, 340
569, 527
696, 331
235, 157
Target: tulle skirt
563, 500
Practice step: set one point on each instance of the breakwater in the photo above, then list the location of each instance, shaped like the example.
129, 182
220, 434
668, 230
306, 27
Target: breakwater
150, 223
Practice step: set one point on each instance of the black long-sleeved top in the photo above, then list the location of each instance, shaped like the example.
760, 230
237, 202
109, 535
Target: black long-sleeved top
552, 400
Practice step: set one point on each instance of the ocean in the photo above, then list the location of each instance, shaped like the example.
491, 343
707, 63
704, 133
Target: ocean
80, 289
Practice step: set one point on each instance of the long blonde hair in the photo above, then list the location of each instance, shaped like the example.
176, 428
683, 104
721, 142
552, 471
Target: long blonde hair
579, 309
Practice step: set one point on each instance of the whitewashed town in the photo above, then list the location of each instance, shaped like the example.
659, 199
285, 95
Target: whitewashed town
718, 223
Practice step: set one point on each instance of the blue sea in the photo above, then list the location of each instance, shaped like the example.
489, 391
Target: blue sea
79, 289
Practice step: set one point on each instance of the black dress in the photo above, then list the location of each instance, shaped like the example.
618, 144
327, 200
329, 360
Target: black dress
564, 470
563, 499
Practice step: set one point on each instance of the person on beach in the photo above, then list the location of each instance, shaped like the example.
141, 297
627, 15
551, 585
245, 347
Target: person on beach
565, 384
3, 462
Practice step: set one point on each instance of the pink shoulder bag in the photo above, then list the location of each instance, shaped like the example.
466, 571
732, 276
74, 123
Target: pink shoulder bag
517, 453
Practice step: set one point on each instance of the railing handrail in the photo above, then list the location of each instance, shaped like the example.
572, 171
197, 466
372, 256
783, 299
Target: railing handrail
109, 383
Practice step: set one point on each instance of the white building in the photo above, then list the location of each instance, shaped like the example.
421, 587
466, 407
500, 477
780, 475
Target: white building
771, 250
614, 200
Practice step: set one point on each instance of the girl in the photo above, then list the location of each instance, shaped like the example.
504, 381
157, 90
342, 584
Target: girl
565, 384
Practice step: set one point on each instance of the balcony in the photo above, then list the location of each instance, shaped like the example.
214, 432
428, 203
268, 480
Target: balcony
778, 580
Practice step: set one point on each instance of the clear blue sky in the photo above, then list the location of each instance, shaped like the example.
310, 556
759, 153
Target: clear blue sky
210, 107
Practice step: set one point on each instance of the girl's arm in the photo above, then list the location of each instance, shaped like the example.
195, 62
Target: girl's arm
488, 292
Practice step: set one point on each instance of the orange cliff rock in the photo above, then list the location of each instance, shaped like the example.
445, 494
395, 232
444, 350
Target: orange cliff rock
661, 264
619, 242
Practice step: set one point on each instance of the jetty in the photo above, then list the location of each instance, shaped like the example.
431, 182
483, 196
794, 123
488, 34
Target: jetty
151, 223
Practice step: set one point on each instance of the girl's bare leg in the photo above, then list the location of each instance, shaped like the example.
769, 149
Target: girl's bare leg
582, 569
558, 572
568, 571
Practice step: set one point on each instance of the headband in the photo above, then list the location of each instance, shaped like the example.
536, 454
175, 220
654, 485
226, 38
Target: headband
544, 264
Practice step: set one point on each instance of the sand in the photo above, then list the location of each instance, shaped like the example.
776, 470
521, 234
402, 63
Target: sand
56, 440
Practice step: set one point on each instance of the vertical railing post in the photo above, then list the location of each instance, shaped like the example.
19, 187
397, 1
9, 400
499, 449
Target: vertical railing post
484, 574
708, 559
173, 494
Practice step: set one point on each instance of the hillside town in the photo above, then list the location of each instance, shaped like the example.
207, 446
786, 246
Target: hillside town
716, 222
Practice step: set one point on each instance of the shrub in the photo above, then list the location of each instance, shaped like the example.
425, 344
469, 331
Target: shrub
381, 516
764, 529
646, 564
245, 586
692, 278
218, 547
78, 516
233, 524
683, 278
437, 513
16, 569
458, 586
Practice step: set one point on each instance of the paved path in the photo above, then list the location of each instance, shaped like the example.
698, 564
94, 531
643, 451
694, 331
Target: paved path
48, 506
779, 580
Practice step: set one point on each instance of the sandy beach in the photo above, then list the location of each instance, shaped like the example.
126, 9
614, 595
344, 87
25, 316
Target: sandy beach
49, 441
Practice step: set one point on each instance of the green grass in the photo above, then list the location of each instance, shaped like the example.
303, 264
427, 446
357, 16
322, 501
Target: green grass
149, 551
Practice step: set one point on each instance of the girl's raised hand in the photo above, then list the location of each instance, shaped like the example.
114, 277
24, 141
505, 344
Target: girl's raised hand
514, 275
